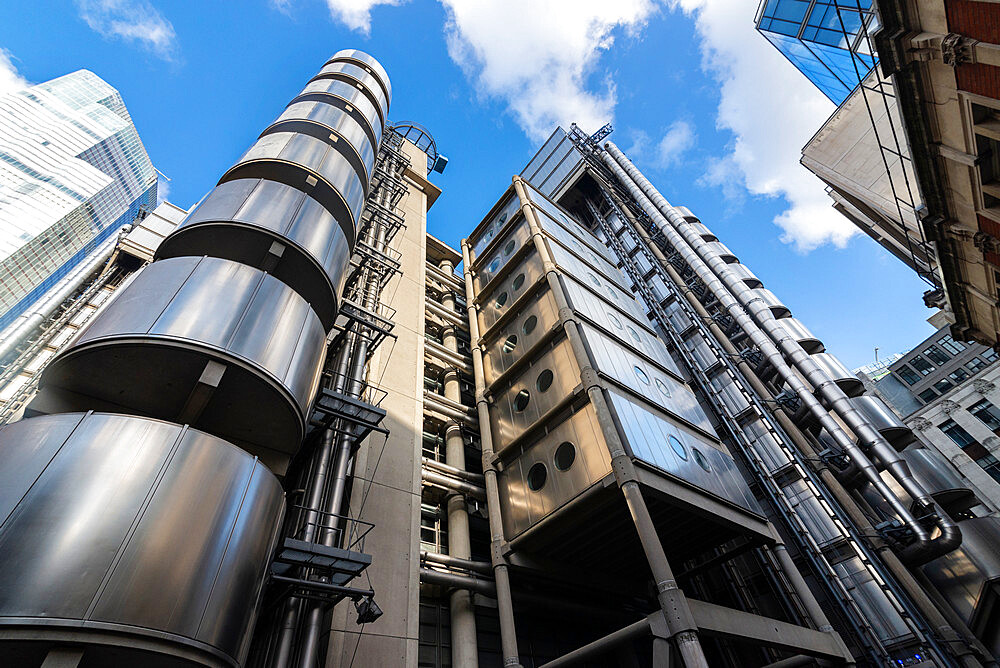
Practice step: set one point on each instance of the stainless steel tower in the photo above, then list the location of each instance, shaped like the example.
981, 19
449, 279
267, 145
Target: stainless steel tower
139, 503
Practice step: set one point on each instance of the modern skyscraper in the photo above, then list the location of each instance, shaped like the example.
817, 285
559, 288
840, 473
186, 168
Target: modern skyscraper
604, 442
73, 171
826, 40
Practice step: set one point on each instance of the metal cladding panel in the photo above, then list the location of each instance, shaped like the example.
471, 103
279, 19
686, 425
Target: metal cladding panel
583, 251
702, 230
504, 214
352, 95
694, 459
496, 259
698, 347
771, 301
729, 394
961, 575
529, 326
583, 299
339, 121
807, 506
142, 525
502, 294
765, 445
678, 318
314, 155
528, 397
239, 220
609, 275
747, 276
933, 471
361, 56
840, 374
877, 609
720, 249
146, 350
364, 77
553, 217
800, 333
614, 321
523, 506
645, 379
884, 420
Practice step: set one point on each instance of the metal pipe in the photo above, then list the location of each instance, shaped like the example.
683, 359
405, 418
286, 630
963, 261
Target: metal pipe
475, 478
27, 322
685, 240
483, 567
601, 645
505, 608
460, 486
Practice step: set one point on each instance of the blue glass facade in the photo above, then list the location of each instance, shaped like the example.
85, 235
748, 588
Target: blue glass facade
826, 40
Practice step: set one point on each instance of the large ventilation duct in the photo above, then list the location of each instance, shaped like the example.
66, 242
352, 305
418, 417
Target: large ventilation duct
768, 335
154, 536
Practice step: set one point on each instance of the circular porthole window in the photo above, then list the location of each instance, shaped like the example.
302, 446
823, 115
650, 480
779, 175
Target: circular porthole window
641, 375
565, 456
501, 300
529, 325
518, 282
634, 334
613, 293
662, 387
614, 320
503, 218
701, 460
564, 219
521, 401
510, 344
678, 448
509, 248
593, 279
544, 380
494, 265
537, 475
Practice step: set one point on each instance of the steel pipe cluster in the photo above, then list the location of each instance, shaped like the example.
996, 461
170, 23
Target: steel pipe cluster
226, 331
754, 313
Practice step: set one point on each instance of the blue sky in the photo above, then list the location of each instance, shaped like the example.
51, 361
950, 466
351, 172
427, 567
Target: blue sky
710, 112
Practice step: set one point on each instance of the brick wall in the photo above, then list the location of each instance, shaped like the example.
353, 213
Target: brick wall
978, 20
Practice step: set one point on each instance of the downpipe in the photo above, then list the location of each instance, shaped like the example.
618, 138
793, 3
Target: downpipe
924, 548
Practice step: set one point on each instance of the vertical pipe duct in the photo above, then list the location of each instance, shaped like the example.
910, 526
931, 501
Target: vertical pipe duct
713, 272
226, 332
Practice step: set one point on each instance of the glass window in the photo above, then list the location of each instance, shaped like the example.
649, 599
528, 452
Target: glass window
521, 400
529, 324
987, 413
943, 385
951, 345
537, 475
662, 387
990, 355
641, 375
501, 300
908, 375
510, 344
565, 456
921, 365
935, 355
958, 375
975, 364
956, 433
544, 380
928, 395
678, 448
509, 248
518, 282
991, 465
701, 460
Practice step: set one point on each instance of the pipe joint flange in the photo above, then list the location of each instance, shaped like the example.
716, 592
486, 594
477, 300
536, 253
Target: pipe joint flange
666, 585
452, 426
590, 378
512, 662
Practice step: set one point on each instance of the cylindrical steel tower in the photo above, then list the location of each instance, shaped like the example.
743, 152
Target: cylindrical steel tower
123, 531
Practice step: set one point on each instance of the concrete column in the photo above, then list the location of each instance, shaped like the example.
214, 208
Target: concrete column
464, 648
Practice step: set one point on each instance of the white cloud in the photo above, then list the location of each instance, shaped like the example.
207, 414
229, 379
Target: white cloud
540, 61
133, 21
9, 78
772, 111
680, 137
355, 14
283, 6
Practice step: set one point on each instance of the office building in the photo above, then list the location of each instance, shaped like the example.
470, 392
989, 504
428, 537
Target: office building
73, 171
588, 435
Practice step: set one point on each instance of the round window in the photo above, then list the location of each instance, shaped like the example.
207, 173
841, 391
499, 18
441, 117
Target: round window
518, 282
613, 293
662, 387
635, 335
614, 320
565, 456
564, 219
494, 265
593, 279
678, 448
544, 380
503, 218
509, 248
641, 375
701, 459
501, 300
521, 401
510, 344
537, 476
529, 325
